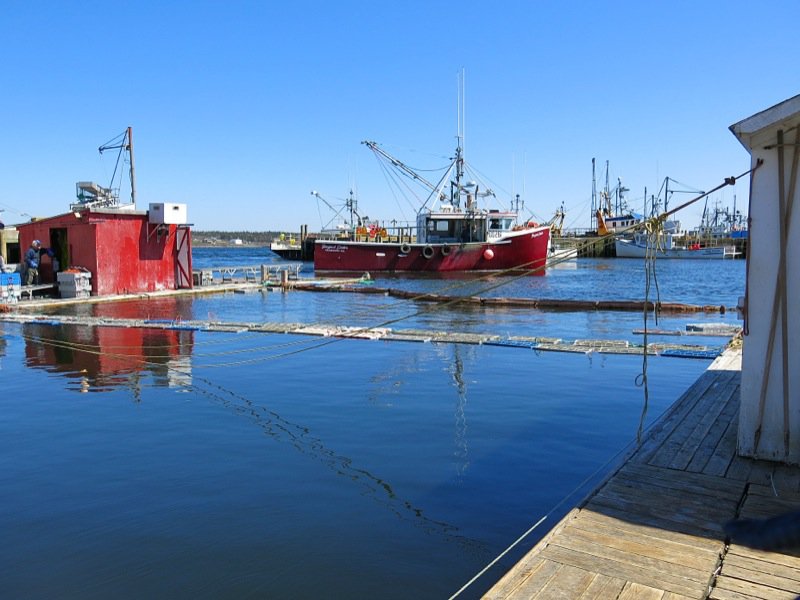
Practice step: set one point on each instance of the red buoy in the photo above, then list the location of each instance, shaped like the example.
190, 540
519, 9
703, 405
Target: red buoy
488, 254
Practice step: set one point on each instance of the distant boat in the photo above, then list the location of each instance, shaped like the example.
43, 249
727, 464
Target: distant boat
287, 248
454, 237
669, 246
558, 253
722, 223
612, 216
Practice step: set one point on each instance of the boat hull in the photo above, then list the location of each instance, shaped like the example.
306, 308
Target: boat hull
630, 249
522, 251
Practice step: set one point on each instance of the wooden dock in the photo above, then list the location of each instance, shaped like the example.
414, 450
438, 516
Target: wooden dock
654, 529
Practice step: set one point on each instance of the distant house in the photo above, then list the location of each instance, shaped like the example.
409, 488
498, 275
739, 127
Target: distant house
236, 242
126, 251
9, 244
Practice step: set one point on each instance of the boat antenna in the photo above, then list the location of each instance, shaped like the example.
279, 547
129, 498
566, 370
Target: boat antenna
460, 111
455, 188
593, 219
352, 204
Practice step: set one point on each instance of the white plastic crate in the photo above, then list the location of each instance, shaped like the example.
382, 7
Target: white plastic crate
10, 294
74, 284
68, 293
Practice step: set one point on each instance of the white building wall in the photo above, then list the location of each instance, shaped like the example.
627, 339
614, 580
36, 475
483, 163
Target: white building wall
769, 421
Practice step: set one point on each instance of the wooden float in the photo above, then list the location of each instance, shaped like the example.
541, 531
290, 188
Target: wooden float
377, 333
535, 303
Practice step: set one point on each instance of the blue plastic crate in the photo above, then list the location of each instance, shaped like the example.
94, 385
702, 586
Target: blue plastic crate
10, 279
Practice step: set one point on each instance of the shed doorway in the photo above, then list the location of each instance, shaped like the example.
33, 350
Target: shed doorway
60, 247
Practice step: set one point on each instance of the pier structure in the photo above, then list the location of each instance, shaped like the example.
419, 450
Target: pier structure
248, 274
654, 529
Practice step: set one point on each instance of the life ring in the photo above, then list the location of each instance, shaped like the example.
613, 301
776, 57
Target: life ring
427, 252
405, 249
445, 250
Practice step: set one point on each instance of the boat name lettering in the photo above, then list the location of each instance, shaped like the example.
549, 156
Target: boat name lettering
333, 248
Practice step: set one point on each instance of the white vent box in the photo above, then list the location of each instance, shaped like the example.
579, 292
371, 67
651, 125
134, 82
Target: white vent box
167, 213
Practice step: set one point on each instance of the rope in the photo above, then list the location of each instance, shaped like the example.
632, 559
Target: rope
501, 555
98, 350
654, 229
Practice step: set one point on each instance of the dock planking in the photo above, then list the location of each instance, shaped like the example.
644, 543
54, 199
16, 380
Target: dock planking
654, 527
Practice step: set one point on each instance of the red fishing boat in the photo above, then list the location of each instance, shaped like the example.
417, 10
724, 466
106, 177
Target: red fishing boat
453, 234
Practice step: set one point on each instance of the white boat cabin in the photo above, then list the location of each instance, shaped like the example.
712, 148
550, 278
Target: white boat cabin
453, 226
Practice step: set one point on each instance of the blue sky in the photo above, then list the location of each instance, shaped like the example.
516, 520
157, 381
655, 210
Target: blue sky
240, 109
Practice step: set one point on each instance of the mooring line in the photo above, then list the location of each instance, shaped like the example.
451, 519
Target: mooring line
627, 448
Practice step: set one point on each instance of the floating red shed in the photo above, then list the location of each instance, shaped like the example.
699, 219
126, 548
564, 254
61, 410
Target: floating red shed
125, 251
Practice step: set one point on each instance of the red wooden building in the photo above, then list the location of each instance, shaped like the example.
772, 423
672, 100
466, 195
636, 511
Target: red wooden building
126, 251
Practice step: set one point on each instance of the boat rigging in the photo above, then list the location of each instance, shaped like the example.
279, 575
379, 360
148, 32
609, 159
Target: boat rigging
93, 195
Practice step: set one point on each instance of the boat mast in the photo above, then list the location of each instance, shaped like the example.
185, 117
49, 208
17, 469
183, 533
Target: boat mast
124, 145
455, 190
593, 220
352, 204
132, 172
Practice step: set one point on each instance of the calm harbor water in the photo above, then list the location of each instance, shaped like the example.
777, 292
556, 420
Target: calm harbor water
187, 464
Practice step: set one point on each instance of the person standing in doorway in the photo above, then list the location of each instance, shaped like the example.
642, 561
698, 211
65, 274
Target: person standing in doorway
32, 263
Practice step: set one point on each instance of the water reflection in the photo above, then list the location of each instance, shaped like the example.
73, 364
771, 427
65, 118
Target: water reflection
101, 358
173, 308
461, 451
104, 358
3, 344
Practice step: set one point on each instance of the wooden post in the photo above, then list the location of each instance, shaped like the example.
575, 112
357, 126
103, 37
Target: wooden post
769, 421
